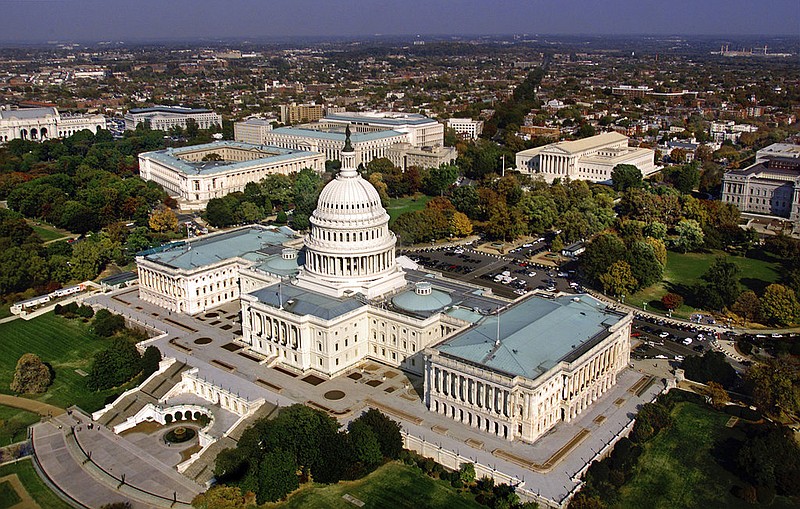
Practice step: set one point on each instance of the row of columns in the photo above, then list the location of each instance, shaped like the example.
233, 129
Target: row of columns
274, 329
591, 381
366, 265
160, 283
473, 392
558, 165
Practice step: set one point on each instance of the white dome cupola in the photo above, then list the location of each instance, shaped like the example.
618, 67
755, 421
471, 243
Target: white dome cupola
350, 247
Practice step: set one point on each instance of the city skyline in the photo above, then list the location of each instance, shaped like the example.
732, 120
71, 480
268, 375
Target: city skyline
61, 20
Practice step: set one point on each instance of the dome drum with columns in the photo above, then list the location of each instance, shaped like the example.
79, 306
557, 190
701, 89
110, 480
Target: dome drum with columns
350, 248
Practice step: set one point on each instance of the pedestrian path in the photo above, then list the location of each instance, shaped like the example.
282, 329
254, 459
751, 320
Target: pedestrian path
31, 405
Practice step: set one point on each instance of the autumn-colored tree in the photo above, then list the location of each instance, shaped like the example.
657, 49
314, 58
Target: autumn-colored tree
671, 301
223, 497
748, 306
618, 280
460, 225
779, 304
32, 376
163, 219
718, 394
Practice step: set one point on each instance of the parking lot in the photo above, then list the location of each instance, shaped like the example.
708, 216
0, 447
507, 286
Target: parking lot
508, 276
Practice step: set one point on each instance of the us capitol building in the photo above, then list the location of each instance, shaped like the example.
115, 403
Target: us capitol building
326, 303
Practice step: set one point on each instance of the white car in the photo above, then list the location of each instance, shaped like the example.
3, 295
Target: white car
687, 341
531, 274
520, 291
664, 335
679, 358
776, 335
660, 357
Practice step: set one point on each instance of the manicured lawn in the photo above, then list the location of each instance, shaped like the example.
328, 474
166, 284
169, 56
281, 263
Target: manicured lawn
66, 345
685, 270
8, 495
393, 485
398, 206
14, 424
47, 233
34, 484
677, 469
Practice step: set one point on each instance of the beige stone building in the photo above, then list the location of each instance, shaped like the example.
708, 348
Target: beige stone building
591, 158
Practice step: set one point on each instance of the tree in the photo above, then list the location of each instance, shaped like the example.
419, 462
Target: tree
366, 449
222, 497
150, 361
219, 213
32, 376
460, 225
618, 280
386, 430
655, 229
711, 367
163, 219
779, 305
685, 178
107, 324
672, 301
645, 266
277, 476
115, 365
722, 283
690, 235
718, 394
600, 253
748, 306
467, 473
775, 385
439, 179
772, 459
625, 176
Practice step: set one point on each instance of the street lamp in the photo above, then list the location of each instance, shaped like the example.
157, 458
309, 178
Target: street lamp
644, 306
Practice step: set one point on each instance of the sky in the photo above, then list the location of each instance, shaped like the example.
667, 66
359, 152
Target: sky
115, 20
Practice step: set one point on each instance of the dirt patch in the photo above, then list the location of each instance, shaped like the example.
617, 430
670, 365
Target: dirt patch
355, 376
202, 341
374, 383
186, 453
334, 395
25, 499
390, 374
227, 327
249, 357
223, 365
231, 347
285, 371
313, 380
146, 427
389, 390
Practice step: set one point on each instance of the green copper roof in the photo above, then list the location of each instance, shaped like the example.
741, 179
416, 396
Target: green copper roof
535, 335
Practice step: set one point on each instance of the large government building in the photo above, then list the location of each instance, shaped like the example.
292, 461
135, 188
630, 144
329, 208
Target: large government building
199, 173
326, 303
517, 373
771, 186
38, 124
591, 158
163, 118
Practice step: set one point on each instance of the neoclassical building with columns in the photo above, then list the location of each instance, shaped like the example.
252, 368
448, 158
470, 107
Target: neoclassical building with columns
327, 303
591, 159
538, 362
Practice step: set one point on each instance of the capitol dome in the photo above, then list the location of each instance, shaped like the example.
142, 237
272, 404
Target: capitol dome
350, 248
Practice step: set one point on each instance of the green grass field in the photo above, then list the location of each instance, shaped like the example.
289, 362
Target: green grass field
5, 310
397, 206
685, 270
66, 345
676, 469
14, 424
393, 485
47, 233
33, 484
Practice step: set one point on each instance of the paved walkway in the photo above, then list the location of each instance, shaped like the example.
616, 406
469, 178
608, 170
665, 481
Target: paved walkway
30, 405
94, 466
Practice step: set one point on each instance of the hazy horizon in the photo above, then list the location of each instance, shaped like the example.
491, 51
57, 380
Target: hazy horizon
37, 21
